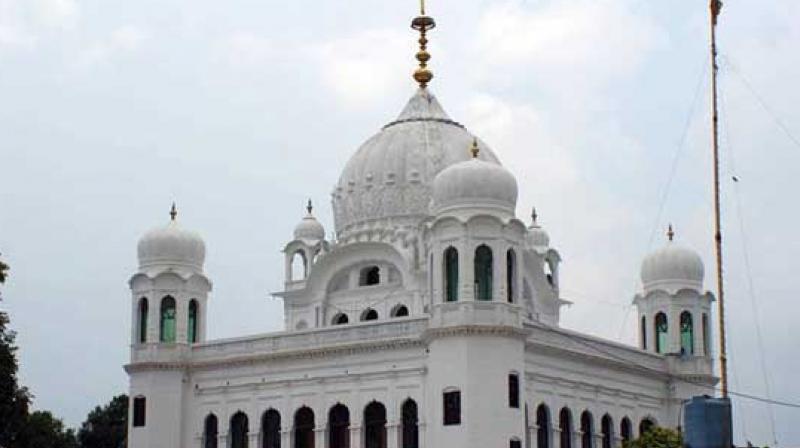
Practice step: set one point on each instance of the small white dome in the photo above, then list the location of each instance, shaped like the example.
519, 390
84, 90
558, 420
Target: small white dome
309, 228
475, 183
171, 245
537, 237
672, 267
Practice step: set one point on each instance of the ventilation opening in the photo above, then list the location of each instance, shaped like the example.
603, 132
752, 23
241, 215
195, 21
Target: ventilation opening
369, 276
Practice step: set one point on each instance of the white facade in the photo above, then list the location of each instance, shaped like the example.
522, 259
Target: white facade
430, 320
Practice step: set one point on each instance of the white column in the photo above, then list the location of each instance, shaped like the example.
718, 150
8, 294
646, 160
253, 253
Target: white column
355, 436
319, 437
286, 438
392, 435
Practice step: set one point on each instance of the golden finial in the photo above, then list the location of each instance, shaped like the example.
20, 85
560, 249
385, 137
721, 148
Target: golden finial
173, 212
309, 207
423, 24
534, 215
670, 232
474, 150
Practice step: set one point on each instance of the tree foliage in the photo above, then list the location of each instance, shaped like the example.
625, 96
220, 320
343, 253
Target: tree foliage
657, 438
43, 430
106, 426
14, 400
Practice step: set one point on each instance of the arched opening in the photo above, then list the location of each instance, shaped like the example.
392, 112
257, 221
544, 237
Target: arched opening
142, 327
662, 339
210, 431
375, 425
625, 429
400, 311
607, 428
451, 275
339, 427
511, 275
410, 421
587, 430
271, 429
304, 428
340, 319
514, 443
549, 273
239, 430
369, 314
645, 426
687, 334
299, 269
369, 275
483, 273
167, 332
643, 330
192, 327
565, 428
706, 342
513, 390
542, 426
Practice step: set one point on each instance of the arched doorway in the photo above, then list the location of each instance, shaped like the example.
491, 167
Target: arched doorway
375, 425
304, 428
410, 430
271, 429
339, 426
239, 430
542, 426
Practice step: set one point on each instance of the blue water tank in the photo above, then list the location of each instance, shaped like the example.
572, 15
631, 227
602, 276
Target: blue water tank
707, 423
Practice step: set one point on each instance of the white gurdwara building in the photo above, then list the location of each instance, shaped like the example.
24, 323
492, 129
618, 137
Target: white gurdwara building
430, 320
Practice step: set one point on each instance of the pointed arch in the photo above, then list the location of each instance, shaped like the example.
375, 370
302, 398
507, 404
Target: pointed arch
450, 274
143, 310
239, 430
687, 333
661, 327
607, 430
543, 426
587, 430
399, 310
271, 429
304, 428
565, 428
511, 275
410, 424
625, 429
210, 431
375, 425
339, 426
192, 327
643, 330
340, 319
483, 273
299, 266
369, 314
706, 340
646, 425
167, 327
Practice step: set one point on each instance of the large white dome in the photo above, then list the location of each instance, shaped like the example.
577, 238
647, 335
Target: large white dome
391, 175
171, 246
672, 267
475, 183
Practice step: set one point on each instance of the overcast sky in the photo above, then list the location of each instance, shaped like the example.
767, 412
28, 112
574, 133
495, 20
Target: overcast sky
239, 110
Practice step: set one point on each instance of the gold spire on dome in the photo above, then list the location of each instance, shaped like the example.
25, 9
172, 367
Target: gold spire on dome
474, 150
309, 207
423, 24
534, 215
670, 232
173, 212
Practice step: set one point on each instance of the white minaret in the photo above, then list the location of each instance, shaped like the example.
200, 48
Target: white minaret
169, 295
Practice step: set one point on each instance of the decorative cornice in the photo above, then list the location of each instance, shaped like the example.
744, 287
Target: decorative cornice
475, 330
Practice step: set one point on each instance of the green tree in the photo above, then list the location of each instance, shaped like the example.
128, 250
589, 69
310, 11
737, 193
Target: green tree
106, 426
657, 438
43, 430
3, 271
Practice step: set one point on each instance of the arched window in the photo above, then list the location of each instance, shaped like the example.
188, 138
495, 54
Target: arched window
645, 426
210, 432
662, 339
543, 426
139, 411
410, 430
369, 314
339, 427
687, 334
142, 320
451, 275
192, 328
299, 266
239, 430
340, 319
706, 342
483, 273
167, 333
271, 429
511, 275
644, 333
400, 311
587, 430
565, 428
369, 275
375, 425
625, 430
513, 390
304, 428
607, 428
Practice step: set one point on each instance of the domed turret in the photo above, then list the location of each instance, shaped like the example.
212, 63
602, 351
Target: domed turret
536, 238
475, 183
672, 267
309, 228
171, 246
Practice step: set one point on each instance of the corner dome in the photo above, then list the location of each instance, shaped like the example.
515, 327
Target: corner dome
672, 267
390, 177
537, 237
309, 228
475, 183
171, 246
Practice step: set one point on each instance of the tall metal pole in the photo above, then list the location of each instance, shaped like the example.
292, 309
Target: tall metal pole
716, 6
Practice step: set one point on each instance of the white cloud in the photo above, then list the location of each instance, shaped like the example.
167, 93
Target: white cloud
127, 38
22, 23
57, 13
